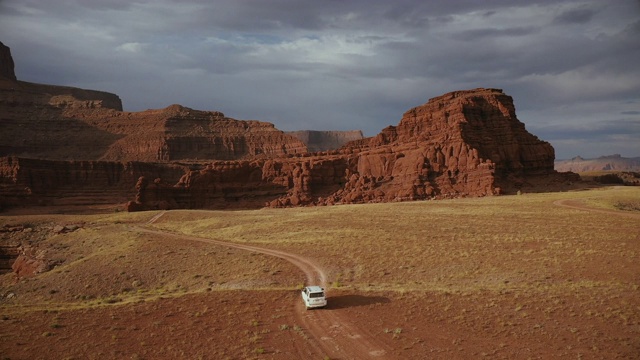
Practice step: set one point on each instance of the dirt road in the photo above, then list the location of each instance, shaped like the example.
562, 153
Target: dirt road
579, 205
330, 332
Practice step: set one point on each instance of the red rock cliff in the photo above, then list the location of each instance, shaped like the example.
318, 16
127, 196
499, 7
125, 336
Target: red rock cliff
49, 182
58, 141
59, 123
65, 123
465, 143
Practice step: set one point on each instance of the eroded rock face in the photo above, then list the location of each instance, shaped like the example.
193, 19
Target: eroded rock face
65, 123
58, 141
465, 143
278, 182
30, 262
59, 123
461, 142
29, 182
194, 134
6, 63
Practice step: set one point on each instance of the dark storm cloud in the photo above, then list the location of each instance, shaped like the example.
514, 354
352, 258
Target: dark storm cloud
603, 138
342, 65
575, 16
477, 34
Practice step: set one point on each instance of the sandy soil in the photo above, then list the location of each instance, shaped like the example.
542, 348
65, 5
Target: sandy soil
266, 319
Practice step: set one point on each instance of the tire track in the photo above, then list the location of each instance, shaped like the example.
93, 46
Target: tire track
576, 204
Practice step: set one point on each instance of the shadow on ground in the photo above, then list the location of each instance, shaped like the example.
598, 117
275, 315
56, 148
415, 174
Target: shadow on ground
347, 301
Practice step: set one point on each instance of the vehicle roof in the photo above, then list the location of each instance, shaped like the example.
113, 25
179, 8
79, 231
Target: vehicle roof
315, 288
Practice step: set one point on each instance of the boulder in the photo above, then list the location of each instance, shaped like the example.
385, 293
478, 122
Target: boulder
31, 262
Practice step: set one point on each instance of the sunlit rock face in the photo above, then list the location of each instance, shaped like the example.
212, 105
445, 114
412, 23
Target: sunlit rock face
464, 143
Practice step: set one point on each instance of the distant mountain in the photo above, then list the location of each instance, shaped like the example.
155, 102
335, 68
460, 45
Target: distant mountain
604, 163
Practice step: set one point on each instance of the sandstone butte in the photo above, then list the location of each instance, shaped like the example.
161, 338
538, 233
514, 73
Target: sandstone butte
62, 145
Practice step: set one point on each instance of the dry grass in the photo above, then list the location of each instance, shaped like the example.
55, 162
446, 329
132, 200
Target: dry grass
108, 262
496, 243
505, 277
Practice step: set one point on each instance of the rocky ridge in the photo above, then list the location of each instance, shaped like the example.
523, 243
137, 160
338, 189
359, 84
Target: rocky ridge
64, 123
62, 143
465, 143
614, 162
6, 63
60, 123
29, 182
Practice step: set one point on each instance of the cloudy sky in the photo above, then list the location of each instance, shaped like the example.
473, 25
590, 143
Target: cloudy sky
572, 67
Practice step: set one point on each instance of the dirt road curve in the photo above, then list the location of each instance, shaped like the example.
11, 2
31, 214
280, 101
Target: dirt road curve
331, 333
579, 205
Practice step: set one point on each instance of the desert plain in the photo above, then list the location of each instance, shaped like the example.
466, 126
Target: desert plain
531, 276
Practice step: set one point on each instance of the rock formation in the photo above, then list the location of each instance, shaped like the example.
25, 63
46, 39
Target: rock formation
465, 143
65, 123
59, 143
27, 182
30, 262
614, 162
59, 123
7, 67
326, 140
461, 142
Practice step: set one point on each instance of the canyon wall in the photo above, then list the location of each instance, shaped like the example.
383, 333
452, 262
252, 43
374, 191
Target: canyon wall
65, 123
74, 146
7, 70
83, 125
28, 182
465, 143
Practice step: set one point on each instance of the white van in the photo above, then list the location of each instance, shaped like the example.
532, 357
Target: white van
313, 296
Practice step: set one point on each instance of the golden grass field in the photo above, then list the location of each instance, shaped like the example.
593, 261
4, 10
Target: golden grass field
503, 277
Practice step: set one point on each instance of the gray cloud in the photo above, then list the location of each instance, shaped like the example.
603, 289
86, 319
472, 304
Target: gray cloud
477, 34
593, 139
595, 130
575, 16
345, 64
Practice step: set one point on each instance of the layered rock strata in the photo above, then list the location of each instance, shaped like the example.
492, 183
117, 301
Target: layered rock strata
28, 182
461, 142
84, 125
465, 143
58, 143
65, 123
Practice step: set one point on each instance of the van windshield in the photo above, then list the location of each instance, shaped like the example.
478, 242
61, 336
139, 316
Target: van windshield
316, 295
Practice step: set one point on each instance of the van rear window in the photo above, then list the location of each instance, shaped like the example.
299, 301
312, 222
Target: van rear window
316, 295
